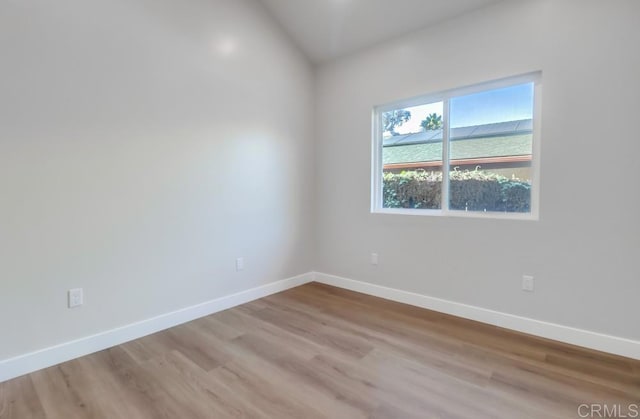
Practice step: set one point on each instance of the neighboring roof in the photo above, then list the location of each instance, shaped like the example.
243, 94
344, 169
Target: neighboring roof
513, 145
523, 126
503, 139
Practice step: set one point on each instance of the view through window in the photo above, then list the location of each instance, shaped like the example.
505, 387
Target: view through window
482, 140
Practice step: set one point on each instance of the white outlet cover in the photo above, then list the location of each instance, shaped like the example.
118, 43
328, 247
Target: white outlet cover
374, 258
527, 283
239, 264
76, 297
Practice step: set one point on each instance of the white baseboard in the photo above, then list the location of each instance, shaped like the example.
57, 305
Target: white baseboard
24, 364
593, 340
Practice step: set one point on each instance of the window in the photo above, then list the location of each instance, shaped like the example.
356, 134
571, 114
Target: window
464, 152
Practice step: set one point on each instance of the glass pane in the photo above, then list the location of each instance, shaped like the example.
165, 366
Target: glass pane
490, 150
412, 157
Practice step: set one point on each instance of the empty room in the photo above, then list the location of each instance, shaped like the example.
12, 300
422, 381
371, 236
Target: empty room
319, 209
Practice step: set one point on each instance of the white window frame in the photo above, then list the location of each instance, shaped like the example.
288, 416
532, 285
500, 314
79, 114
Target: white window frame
445, 97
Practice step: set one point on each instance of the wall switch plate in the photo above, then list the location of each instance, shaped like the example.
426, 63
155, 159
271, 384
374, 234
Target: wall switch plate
76, 297
374, 258
240, 264
527, 283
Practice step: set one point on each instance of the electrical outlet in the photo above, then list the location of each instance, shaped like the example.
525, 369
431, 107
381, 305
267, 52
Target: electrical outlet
240, 264
76, 297
374, 258
527, 283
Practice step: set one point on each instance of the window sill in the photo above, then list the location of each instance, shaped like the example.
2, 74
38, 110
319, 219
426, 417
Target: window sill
458, 214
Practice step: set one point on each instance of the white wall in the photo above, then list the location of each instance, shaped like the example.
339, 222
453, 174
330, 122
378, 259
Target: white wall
585, 249
144, 145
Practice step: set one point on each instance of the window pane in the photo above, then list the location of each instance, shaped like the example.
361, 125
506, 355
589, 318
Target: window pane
412, 157
490, 150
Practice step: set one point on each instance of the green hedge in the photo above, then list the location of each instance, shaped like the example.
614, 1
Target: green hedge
472, 190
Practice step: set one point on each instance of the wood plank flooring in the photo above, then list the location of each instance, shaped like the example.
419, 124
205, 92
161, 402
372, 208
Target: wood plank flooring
321, 352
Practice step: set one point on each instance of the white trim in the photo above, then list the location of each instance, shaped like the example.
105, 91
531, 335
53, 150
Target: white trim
376, 160
580, 337
47, 357
489, 215
533, 76
446, 156
536, 147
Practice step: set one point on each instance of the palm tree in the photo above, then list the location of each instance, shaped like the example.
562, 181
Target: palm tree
432, 122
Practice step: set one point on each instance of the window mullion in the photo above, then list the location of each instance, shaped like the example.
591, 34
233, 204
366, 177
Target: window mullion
445, 156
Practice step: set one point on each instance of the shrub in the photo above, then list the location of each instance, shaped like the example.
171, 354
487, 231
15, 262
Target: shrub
469, 190
415, 189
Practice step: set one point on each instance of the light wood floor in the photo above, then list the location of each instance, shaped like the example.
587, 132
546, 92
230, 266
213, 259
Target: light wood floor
321, 352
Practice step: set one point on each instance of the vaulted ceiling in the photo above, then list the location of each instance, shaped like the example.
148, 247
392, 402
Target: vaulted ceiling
327, 29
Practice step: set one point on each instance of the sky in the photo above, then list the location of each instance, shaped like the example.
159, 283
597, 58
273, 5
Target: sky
499, 105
